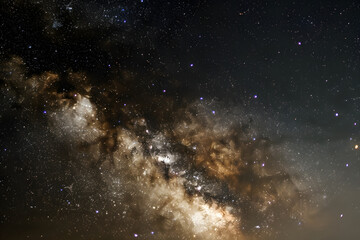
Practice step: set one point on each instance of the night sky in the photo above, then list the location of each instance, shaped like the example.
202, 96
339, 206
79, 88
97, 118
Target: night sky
152, 119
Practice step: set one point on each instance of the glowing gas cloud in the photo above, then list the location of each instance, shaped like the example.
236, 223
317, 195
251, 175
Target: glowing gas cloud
177, 172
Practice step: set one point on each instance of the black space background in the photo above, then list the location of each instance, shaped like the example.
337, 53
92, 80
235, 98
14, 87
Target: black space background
238, 49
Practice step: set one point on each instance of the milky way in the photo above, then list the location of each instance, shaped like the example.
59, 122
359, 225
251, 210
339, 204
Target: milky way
179, 120
194, 174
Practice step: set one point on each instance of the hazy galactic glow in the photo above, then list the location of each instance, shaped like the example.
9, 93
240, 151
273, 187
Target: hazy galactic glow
179, 120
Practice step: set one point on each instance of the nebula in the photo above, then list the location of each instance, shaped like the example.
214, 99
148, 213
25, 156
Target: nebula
157, 167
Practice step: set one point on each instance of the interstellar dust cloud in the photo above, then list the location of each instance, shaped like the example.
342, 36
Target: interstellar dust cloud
154, 166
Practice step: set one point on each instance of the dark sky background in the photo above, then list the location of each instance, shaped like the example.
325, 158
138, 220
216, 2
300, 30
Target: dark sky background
276, 80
